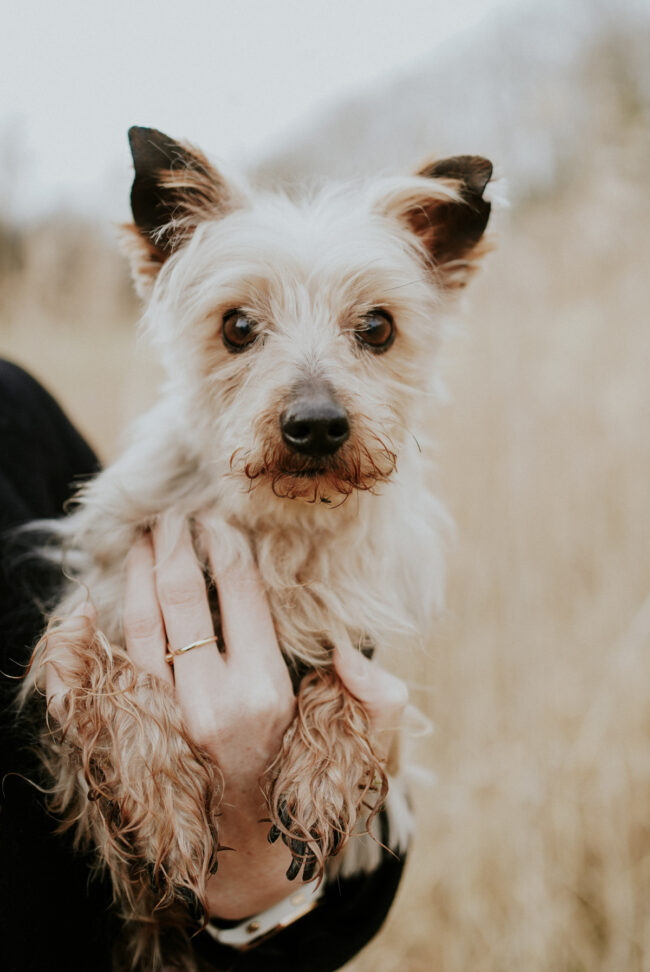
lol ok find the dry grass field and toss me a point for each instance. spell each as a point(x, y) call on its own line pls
point(533, 847)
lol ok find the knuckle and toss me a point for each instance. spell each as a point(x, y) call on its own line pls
point(141, 627)
point(185, 589)
point(266, 704)
point(261, 698)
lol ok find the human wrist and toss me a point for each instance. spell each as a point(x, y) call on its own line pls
point(251, 876)
point(252, 872)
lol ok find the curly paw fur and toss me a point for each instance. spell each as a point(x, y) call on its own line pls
point(325, 776)
point(128, 778)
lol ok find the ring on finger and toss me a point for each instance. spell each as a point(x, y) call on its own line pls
point(171, 655)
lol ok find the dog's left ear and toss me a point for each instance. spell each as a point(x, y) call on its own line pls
point(174, 189)
point(448, 214)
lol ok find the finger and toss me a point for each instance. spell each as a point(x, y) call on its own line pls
point(383, 695)
point(186, 614)
point(246, 620)
point(144, 631)
point(75, 630)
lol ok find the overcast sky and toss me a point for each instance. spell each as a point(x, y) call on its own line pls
point(231, 75)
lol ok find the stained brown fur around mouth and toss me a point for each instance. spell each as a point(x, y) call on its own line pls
point(307, 473)
point(355, 467)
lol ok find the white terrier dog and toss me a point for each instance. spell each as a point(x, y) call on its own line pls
point(299, 338)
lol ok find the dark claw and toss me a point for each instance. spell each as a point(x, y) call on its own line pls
point(193, 904)
point(297, 847)
point(151, 872)
point(283, 814)
point(294, 869)
point(310, 867)
point(300, 849)
point(367, 647)
point(214, 863)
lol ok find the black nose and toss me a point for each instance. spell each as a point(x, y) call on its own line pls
point(314, 424)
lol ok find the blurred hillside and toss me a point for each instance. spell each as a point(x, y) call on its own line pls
point(537, 89)
point(549, 92)
point(546, 91)
point(533, 849)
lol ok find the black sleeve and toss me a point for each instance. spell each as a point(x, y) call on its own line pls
point(350, 914)
point(41, 456)
point(53, 913)
point(52, 916)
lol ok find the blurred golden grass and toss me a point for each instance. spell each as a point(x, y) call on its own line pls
point(533, 848)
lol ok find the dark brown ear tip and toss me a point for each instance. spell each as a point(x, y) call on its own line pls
point(482, 172)
point(151, 149)
point(138, 136)
point(473, 171)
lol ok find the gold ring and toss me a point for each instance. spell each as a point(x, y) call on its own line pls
point(169, 657)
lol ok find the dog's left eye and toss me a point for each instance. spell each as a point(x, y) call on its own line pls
point(376, 331)
point(238, 331)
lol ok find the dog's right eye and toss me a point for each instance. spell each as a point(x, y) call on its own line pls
point(238, 331)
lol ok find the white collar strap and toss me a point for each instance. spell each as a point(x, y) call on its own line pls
point(250, 932)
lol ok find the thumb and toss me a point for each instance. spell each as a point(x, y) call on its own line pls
point(384, 696)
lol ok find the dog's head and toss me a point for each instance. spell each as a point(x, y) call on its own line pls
point(301, 332)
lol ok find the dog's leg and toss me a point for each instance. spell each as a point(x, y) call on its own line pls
point(127, 776)
point(325, 776)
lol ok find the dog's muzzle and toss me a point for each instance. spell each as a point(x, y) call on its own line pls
point(314, 424)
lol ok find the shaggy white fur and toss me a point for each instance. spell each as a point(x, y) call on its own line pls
point(350, 549)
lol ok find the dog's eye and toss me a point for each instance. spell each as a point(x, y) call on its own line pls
point(238, 331)
point(376, 331)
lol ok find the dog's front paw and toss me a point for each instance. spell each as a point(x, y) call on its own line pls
point(309, 849)
point(129, 779)
point(325, 777)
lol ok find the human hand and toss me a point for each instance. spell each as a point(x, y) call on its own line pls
point(236, 705)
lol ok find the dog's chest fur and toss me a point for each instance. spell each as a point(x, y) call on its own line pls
point(369, 569)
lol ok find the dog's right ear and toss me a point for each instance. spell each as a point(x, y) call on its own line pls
point(445, 209)
point(174, 189)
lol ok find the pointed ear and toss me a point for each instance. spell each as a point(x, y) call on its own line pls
point(174, 189)
point(449, 216)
